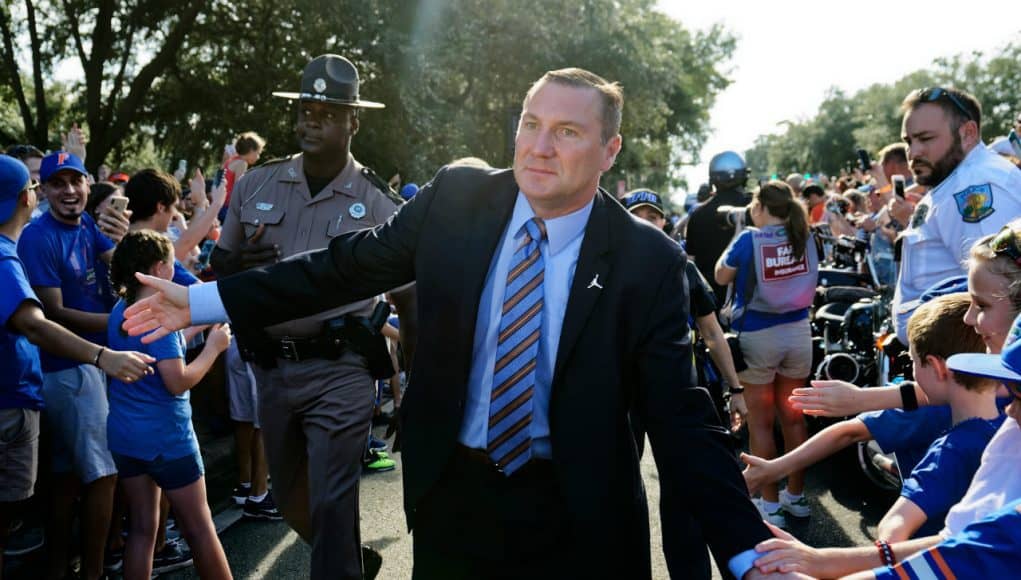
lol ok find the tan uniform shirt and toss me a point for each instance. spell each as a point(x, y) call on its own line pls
point(277, 196)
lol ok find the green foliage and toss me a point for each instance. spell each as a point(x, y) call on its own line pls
point(871, 118)
point(451, 72)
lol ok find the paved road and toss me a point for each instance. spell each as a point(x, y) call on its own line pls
point(845, 512)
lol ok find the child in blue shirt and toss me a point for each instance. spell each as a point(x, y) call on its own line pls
point(972, 417)
point(149, 427)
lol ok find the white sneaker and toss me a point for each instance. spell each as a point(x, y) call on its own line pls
point(775, 517)
point(798, 508)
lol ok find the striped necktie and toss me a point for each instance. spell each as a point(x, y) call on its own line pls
point(517, 348)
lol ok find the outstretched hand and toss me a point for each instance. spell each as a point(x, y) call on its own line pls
point(827, 399)
point(160, 314)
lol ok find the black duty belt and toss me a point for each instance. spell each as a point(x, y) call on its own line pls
point(299, 349)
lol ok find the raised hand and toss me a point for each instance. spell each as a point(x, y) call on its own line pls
point(74, 141)
point(198, 190)
point(219, 337)
point(160, 314)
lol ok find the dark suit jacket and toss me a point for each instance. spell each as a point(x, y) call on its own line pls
point(624, 345)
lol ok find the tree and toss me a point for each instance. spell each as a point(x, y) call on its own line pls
point(122, 47)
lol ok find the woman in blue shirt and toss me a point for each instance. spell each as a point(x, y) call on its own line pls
point(774, 271)
point(149, 427)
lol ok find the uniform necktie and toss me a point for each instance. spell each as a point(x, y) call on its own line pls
point(509, 443)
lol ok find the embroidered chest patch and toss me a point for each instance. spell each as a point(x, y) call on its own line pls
point(975, 203)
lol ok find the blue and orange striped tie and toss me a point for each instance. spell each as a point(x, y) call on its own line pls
point(517, 349)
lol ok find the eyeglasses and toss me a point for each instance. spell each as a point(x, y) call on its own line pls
point(934, 94)
point(1006, 242)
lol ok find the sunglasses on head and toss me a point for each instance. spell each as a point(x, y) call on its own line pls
point(1006, 242)
point(936, 93)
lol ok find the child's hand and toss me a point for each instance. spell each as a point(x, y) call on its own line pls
point(759, 472)
point(827, 399)
point(219, 337)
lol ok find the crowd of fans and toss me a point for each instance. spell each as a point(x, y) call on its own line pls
point(93, 408)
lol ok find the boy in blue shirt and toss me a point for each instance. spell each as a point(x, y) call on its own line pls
point(989, 547)
point(937, 331)
point(22, 328)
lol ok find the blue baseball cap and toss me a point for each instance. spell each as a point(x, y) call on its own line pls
point(14, 178)
point(1005, 366)
point(59, 161)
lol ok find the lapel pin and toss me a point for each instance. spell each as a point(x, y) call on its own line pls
point(357, 211)
point(595, 283)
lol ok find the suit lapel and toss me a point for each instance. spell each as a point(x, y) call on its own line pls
point(592, 271)
point(480, 245)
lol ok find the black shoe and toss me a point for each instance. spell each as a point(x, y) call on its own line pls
point(372, 561)
point(241, 493)
point(262, 510)
point(173, 556)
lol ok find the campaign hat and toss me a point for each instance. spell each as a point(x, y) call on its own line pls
point(330, 78)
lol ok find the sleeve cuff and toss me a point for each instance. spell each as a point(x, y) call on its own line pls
point(740, 564)
point(206, 304)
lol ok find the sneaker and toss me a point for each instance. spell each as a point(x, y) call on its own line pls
point(798, 508)
point(377, 462)
point(113, 560)
point(775, 517)
point(377, 443)
point(241, 493)
point(173, 556)
point(24, 540)
point(262, 510)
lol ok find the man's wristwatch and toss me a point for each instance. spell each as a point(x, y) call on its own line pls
point(738, 390)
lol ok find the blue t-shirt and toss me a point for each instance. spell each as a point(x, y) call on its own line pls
point(907, 433)
point(987, 548)
point(21, 378)
point(146, 421)
point(946, 471)
point(57, 255)
point(740, 255)
point(910, 433)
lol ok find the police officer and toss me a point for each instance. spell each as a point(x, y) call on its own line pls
point(707, 234)
point(973, 192)
point(315, 392)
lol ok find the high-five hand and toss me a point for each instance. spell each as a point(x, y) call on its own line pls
point(159, 314)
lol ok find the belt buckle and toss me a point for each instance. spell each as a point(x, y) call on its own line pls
point(289, 350)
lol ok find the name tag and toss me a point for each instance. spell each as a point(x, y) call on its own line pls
point(263, 206)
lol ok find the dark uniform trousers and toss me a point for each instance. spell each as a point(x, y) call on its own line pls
point(316, 418)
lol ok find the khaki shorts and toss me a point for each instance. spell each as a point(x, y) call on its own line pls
point(19, 453)
point(241, 388)
point(785, 350)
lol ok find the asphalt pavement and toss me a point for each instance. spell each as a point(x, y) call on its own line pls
point(845, 511)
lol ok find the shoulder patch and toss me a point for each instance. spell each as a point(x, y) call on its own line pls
point(975, 203)
point(382, 186)
point(918, 217)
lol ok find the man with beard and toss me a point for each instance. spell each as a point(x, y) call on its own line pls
point(972, 193)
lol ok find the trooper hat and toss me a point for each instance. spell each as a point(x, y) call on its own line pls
point(330, 78)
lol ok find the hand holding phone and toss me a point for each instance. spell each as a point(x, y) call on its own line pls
point(898, 186)
point(864, 163)
point(119, 203)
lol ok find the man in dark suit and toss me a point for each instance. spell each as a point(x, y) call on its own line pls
point(542, 322)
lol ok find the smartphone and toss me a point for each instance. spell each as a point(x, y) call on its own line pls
point(863, 160)
point(898, 186)
point(182, 165)
point(119, 203)
point(218, 178)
